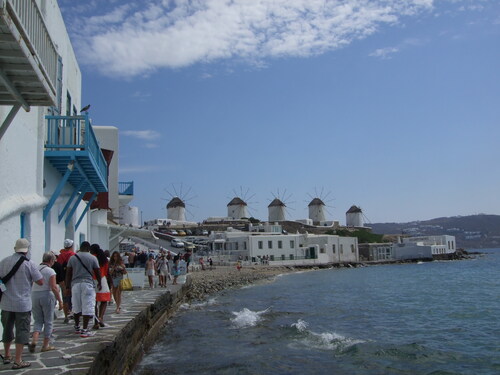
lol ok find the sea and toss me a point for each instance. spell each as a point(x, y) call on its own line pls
point(433, 318)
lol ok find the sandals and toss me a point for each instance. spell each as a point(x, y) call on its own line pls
point(31, 348)
point(21, 364)
point(6, 360)
point(48, 348)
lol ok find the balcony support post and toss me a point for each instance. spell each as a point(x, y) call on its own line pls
point(13, 91)
point(94, 196)
point(75, 192)
point(12, 114)
point(75, 206)
point(58, 190)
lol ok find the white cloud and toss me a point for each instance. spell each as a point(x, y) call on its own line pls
point(136, 38)
point(387, 52)
point(384, 53)
point(147, 135)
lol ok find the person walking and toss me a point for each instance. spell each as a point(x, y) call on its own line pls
point(18, 274)
point(103, 296)
point(64, 255)
point(79, 282)
point(116, 271)
point(150, 270)
point(176, 269)
point(162, 270)
point(44, 299)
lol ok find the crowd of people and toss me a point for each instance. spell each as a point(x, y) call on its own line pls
point(79, 284)
point(163, 264)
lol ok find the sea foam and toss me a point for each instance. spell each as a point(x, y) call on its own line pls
point(324, 340)
point(247, 318)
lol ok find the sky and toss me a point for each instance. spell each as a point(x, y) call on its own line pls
point(390, 105)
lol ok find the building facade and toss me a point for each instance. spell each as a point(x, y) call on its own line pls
point(284, 249)
point(50, 156)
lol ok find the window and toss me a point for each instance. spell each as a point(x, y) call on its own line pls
point(269, 244)
point(291, 256)
point(68, 104)
point(292, 244)
point(261, 245)
point(333, 248)
point(280, 244)
point(236, 246)
point(282, 256)
point(272, 257)
point(341, 249)
point(322, 250)
point(352, 248)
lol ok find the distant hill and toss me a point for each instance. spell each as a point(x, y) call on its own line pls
point(471, 232)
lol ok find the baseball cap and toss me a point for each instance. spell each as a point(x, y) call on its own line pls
point(22, 245)
point(68, 243)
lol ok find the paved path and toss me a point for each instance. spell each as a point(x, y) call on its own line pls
point(75, 354)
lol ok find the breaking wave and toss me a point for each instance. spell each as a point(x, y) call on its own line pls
point(322, 341)
point(247, 318)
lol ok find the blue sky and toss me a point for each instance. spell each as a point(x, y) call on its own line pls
point(391, 105)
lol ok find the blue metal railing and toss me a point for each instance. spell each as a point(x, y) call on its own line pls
point(75, 133)
point(126, 188)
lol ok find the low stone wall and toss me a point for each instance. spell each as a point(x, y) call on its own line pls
point(133, 340)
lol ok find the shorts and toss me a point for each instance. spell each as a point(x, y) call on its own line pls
point(150, 272)
point(20, 320)
point(83, 298)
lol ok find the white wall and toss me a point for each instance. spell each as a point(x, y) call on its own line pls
point(23, 168)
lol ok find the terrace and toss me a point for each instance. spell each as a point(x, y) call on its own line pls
point(72, 148)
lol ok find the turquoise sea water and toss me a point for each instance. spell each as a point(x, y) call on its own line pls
point(431, 318)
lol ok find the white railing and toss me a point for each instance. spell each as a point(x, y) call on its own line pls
point(29, 21)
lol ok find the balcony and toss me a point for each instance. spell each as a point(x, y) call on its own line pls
point(126, 188)
point(72, 148)
point(125, 192)
point(71, 143)
point(28, 57)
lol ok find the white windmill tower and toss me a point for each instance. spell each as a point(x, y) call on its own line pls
point(354, 217)
point(176, 206)
point(237, 208)
point(317, 211)
point(176, 209)
point(276, 210)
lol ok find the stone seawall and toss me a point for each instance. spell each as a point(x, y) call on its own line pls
point(138, 335)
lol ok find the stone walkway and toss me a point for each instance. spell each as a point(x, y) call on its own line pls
point(74, 354)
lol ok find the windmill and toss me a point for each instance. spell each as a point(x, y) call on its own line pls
point(176, 206)
point(277, 209)
point(317, 206)
point(237, 208)
point(355, 217)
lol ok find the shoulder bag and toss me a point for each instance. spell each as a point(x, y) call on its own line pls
point(14, 269)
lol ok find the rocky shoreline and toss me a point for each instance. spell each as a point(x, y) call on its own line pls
point(212, 281)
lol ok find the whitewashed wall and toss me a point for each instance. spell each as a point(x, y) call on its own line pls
point(23, 168)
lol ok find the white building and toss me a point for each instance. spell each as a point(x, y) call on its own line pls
point(48, 165)
point(285, 249)
point(443, 244)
